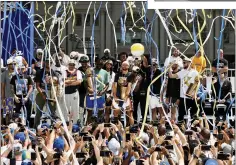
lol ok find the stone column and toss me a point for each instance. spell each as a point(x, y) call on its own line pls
point(210, 43)
point(102, 33)
point(108, 39)
point(156, 37)
point(162, 43)
point(69, 30)
point(217, 31)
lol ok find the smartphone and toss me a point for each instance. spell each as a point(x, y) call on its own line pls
point(194, 129)
point(87, 138)
point(115, 121)
point(103, 135)
point(80, 155)
point(33, 146)
point(220, 136)
point(83, 133)
point(105, 153)
point(156, 123)
point(67, 123)
point(168, 127)
point(215, 135)
point(134, 130)
point(57, 155)
point(136, 149)
point(22, 129)
point(127, 137)
point(12, 161)
point(139, 162)
point(158, 149)
point(223, 156)
point(19, 124)
point(107, 125)
point(33, 156)
point(206, 147)
point(219, 128)
point(44, 121)
point(168, 137)
point(216, 144)
point(169, 147)
point(188, 132)
point(3, 127)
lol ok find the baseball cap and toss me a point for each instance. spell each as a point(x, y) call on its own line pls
point(211, 162)
point(154, 61)
point(17, 147)
point(20, 136)
point(73, 54)
point(226, 148)
point(126, 62)
point(114, 146)
point(135, 69)
point(84, 59)
point(39, 51)
point(106, 50)
point(10, 61)
point(75, 128)
point(59, 144)
point(109, 62)
point(164, 163)
point(45, 125)
point(71, 61)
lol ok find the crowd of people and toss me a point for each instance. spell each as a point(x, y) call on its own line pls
point(74, 109)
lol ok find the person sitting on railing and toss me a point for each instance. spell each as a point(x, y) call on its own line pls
point(222, 94)
point(221, 66)
point(199, 61)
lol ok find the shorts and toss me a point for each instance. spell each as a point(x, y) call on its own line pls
point(121, 104)
point(89, 103)
point(155, 102)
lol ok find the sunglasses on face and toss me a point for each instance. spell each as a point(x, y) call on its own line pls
point(71, 64)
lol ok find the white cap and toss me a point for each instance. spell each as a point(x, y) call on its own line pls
point(114, 146)
point(107, 50)
point(71, 61)
point(10, 61)
point(126, 62)
point(39, 51)
point(135, 69)
point(74, 54)
point(19, 53)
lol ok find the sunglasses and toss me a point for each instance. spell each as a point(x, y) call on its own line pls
point(71, 64)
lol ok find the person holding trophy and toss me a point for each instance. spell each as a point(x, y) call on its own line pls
point(97, 85)
point(189, 81)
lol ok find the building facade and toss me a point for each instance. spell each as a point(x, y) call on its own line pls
point(114, 24)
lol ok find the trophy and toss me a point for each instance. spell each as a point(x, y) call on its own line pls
point(192, 89)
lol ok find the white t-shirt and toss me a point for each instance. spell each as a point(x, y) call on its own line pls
point(111, 80)
point(6, 161)
point(186, 78)
point(171, 59)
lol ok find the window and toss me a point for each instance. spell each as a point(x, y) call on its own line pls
point(87, 20)
point(97, 21)
point(229, 33)
point(78, 18)
point(184, 36)
point(130, 38)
